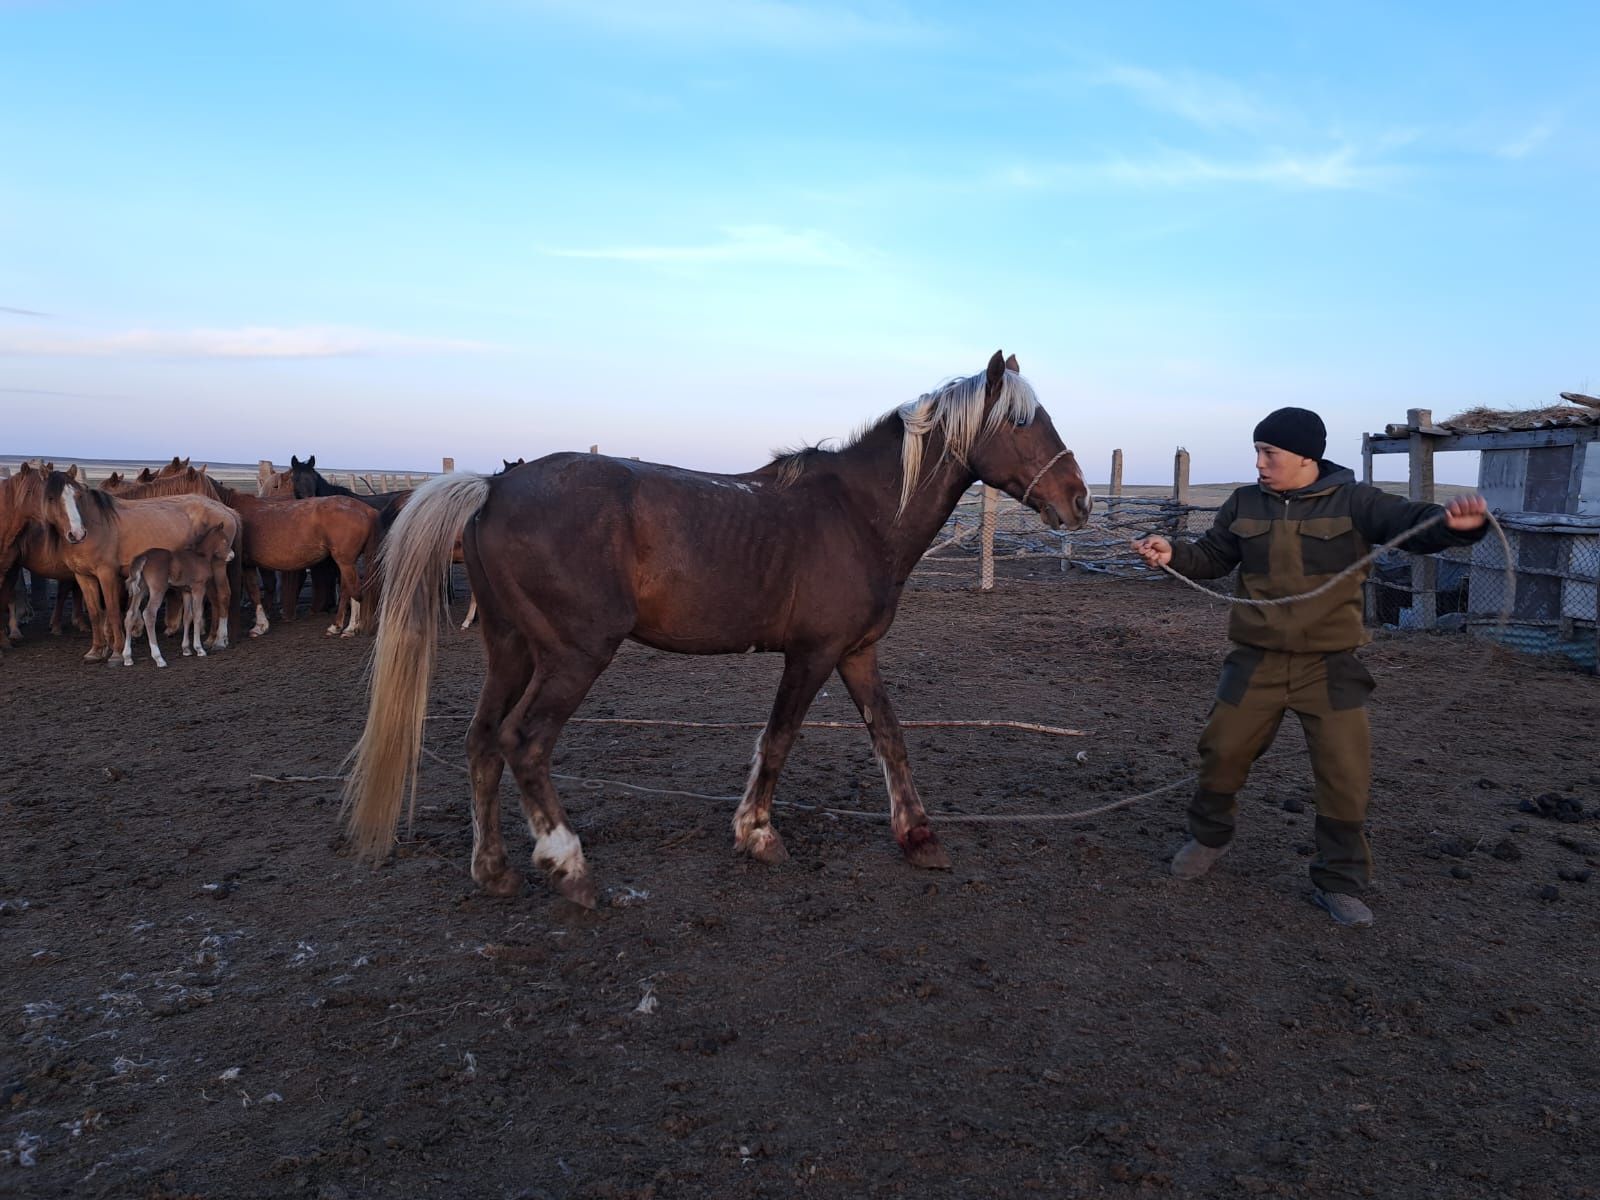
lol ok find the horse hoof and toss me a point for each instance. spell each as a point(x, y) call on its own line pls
point(579, 889)
point(200, 653)
point(764, 845)
point(332, 631)
point(349, 633)
point(922, 849)
point(502, 886)
point(161, 662)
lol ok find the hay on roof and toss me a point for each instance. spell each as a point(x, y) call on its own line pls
point(1482, 417)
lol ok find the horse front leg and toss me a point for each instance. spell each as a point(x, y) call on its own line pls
point(349, 595)
point(111, 598)
point(753, 833)
point(907, 817)
point(252, 586)
point(94, 610)
point(194, 619)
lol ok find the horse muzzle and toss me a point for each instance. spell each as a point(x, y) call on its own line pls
point(74, 538)
point(1076, 518)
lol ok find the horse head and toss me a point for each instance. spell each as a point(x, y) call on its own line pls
point(304, 477)
point(59, 505)
point(1020, 452)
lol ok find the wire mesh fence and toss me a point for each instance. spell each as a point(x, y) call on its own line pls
point(1101, 546)
point(1547, 606)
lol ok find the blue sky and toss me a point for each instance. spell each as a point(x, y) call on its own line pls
point(696, 231)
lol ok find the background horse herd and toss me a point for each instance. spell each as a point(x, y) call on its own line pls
point(176, 536)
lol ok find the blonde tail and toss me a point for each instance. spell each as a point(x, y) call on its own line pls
point(412, 562)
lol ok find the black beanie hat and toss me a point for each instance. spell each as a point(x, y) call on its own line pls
point(1297, 430)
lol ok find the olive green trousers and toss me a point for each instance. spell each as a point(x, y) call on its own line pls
point(1328, 692)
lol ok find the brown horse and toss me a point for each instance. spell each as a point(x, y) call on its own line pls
point(104, 534)
point(574, 553)
point(189, 572)
point(288, 535)
point(458, 556)
point(19, 501)
point(41, 554)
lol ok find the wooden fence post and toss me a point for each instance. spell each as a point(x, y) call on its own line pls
point(449, 465)
point(986, 554)
point(1180, 489)
point(594, 449)
point(263, 473)
point(1366, 458)
point(1424, 570)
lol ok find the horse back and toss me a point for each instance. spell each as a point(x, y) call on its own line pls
point(691, 561)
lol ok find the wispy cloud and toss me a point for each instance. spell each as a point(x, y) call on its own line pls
point(1333, 170)
point(769, 244)
point(253, 342)
point(22, 312)
point(767, 23)
point(1203, 100)
point(1527, 142)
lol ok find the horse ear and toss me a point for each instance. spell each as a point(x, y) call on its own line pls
point(996, 373)
point(312, 461)
point(293, 462)
point(1011, 363)
point(72, 472)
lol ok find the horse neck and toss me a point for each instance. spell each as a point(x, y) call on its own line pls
point(328, 488)
point(871, 470)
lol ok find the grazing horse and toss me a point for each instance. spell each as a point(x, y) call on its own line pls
point(189, 572)
point(573, 553)
point(103, 534)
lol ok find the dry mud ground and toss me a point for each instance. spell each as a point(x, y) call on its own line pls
point(202, 997)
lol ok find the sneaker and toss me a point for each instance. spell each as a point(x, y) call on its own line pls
point(1345, 909)
point(1193, 860)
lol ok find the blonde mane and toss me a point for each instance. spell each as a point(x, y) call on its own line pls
point(955, 407)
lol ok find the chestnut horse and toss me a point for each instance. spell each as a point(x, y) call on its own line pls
point(573, 553)
point(104, 534)
point(149, 578)
point(289, 535)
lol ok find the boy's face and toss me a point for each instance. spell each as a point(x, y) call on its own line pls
point(1280, 471)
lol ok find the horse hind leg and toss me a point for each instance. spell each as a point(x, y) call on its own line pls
point(561, 678)
point(753, 833)
point(507, 678)
point(136, 596)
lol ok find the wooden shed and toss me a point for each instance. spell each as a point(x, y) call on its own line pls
point(1540, 472)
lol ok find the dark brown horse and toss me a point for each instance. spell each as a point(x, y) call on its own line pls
point(306, 482)
point(571, 554)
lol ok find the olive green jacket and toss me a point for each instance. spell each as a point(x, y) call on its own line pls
point(1288, 543)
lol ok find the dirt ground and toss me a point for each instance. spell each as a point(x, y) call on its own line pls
point(202, 996)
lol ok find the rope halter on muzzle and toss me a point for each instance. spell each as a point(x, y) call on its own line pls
point(1028, 491)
